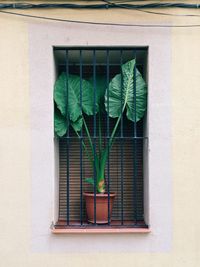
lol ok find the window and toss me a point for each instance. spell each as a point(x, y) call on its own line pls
point(157, 169)
point(102, 136)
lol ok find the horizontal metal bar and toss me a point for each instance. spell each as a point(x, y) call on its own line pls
point(105, 137)
point(90, 65)
point(141, 48)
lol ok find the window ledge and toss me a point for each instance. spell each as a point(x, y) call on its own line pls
point(101, 231)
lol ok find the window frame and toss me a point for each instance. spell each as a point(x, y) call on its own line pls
point(158, 192)
point(120, 55)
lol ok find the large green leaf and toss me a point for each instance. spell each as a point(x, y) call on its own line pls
point(77, 125)
point(69, 85)
point(100, 90)
point(121, 94)
point(60, 123)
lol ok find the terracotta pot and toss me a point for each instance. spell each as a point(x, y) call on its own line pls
point(101, 207)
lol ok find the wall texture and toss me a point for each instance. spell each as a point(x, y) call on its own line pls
point(15, 147)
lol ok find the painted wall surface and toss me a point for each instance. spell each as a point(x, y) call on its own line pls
point(15, 147)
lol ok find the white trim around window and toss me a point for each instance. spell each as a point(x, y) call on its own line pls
point(44, 160)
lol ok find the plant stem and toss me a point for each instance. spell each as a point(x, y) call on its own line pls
point(95, 160)
point(89, 137)
point(86, 150)
point(115, 128)
point(110, 143)
point(100, 137)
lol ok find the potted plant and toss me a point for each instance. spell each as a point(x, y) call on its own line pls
point(71, 105)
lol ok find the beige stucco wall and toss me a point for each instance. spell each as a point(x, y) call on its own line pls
point(15, 180)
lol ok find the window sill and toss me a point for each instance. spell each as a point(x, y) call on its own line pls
point(85, 228)
point(102, 231)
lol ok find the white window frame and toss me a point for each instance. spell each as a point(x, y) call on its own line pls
point(44, 162)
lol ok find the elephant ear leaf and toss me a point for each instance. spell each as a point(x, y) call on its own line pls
point(77, 125)
point(100, 90)
point(121, 94)
point(68, 86)
point(60, 123)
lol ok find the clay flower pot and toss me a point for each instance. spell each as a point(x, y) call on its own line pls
point(101, 207)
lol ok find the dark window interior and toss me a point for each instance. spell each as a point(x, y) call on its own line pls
point(126, 158)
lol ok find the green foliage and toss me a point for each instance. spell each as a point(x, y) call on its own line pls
point(60, 122)
point(89, 180)
point(121, 94)
point(78, 124)
point(71, 84)
point(71, 109)
point(120, 97)
point(100, 91)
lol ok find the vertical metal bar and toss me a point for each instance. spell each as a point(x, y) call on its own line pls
point(81, 143)
point(94, 129)
point(121, 144)
point(67, 95)
point(135, 141)
point(108, 130)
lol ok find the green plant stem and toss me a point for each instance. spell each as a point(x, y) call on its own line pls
point(100, 137)
point(115, 128)
point(86, 150)
point(110, 143)
point(89, 137)
point(95, 160)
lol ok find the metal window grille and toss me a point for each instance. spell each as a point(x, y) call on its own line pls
point(124, 173)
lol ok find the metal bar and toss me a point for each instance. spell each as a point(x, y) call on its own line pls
point(116, 137)
point(144, 48)
point(68, 134)
point(121, 144)
point(108, 129)
point(81, 145)
point(135, 142)
point(94, 130)
point(99, 64)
